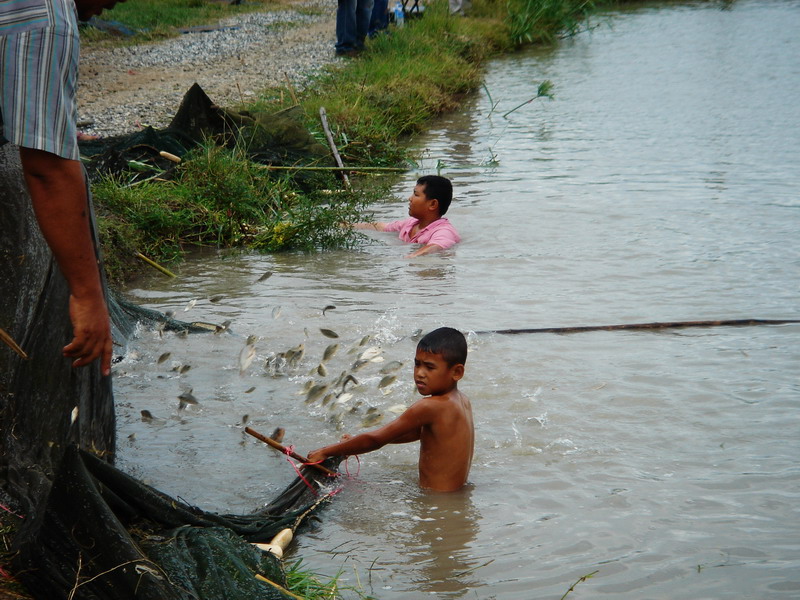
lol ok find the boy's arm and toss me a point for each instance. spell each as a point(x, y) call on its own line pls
point(427, 249)
point(405, 428)
point(376, 225)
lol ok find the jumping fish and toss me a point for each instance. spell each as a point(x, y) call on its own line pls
point(323, 372)
point(370, 353)
point(329, 352)
point(265, 276)
point(216, 298)
point(246, 356)
point(295, 355)
point(223, 327)
point(391, 367)
point(329, 333)
point(343, 398)
point(276, 312)
point(164, 357)
point(372, 419)
point(184, 369)
point(347, 380)
point(249, 390)
point(278, 434)
point(316, 392)
point(147, 415)
point(186, 398)
point(329, 307)
point(387, 381)
point(189, 306)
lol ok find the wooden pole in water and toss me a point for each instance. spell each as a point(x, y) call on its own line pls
point(286, 451)
point(666, 325)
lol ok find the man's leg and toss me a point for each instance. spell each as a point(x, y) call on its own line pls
point(346, 26)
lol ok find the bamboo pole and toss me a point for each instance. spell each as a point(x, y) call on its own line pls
point(285, 450)
point(324, 118)
point(280, 588)
point(155, 265)
point(665, 325)
point(342, 168)
point(9, 341)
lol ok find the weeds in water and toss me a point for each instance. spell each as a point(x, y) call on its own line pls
point(544, 91)
point(311, 586)
point(580, 580)
point(533, 21)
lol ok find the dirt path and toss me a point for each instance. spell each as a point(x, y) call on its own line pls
point(116, 96)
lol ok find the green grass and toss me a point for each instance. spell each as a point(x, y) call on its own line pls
point(219, 198)
point(156, 19)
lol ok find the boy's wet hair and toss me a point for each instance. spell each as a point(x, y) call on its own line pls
point(448, 342)
point(438, 187)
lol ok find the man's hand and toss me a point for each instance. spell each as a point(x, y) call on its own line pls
point(89, 8)
point(91, 331)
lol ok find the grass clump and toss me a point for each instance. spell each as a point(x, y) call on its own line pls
point(219, 198)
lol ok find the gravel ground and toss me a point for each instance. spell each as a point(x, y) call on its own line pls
point(124, 89)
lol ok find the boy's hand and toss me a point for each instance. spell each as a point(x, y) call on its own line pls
point(317, 456)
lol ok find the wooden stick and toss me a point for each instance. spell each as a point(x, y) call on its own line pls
point(324, 118)
point(282, 589)
point(667, 325)
point(9, 341)
point(155, 265)
point(365, 169)
point(285, 450)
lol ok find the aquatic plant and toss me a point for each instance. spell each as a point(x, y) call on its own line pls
point(543, 20)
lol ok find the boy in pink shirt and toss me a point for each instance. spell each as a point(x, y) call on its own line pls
point(426, 224)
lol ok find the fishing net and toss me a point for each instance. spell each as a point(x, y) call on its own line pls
point(276, 138)
point(102, 534)
point(85, 529)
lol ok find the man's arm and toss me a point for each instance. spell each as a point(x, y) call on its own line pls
point(58, 194)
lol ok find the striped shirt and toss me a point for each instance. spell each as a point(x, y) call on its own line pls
point(39, 75)
point(17, 16)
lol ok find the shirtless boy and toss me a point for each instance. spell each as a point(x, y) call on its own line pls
point(441, 421)
point(426, 223)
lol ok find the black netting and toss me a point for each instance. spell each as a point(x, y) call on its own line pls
point(271, 138)
point(88, 531)
point(102, 534)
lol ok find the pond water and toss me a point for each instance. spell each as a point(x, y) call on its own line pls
point(660, 184)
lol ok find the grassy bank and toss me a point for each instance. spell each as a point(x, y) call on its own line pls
point(407, 77)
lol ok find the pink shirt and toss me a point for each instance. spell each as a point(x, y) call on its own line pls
point(440, 232)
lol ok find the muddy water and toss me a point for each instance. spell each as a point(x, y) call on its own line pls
point(659, 185)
